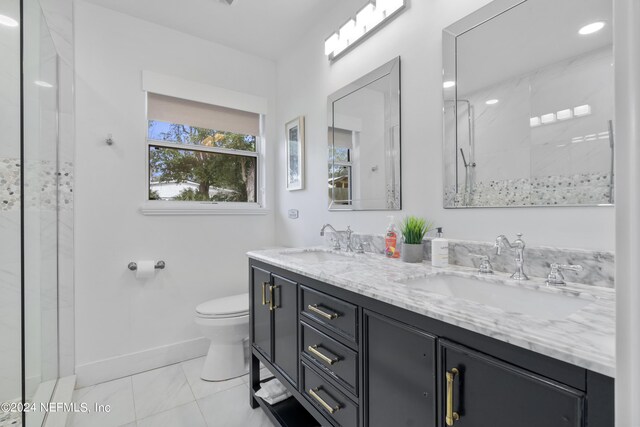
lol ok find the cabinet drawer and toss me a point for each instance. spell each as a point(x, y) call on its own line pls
point(335, 314)
point(332, 403)
point(337, 360)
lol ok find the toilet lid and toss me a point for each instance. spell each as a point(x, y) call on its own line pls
point(236, 305)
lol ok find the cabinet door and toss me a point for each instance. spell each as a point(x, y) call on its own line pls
point(260, 314)
point(400, 374)
point(285, 326)
point(489, 392)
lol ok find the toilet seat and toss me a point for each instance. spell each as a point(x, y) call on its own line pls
point(224, 308)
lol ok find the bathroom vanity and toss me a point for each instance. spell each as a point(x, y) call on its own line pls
point(361, 340)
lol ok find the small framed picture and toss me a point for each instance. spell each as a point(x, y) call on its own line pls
point(294, 131)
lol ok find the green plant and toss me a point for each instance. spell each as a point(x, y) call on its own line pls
point(413, 229)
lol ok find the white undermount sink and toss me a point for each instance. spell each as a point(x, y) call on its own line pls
point(539, 303)
point(315, 257)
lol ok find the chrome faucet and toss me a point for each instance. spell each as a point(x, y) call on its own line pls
point(336, 245)
point(555, 276)
point(518, 246)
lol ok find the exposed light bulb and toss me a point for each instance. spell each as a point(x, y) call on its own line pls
point(331, 43)
point(389, 6)
point(348, 30)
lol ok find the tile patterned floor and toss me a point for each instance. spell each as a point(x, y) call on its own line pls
point(172, 396)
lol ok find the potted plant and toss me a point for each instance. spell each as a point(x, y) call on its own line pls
point(413, 230)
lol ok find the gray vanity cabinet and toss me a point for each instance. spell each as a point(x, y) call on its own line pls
point(353, 361)
point(480, 391)
point(274, 320)
point(400, 374)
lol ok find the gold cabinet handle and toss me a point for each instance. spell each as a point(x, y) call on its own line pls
point(264, 293)
point(313, 349)
point(451, 417)
point(272, 305)
point(328, 316)
point(330, 409)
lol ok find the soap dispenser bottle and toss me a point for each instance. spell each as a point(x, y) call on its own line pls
point(439, 250)
point(391, 240)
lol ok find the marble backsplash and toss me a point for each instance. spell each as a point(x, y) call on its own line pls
point(598, 266)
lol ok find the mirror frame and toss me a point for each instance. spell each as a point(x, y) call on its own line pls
point(392, 69)
point(450, 67)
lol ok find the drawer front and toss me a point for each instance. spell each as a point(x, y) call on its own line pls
point(335, 314)
point(337, 360)
point(332, 403)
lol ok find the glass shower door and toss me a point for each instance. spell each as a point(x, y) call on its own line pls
point(40, 220)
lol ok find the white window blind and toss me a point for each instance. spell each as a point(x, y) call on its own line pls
point(341, 138)
point(197, 114)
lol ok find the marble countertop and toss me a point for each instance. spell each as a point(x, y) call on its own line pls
point(585, 338)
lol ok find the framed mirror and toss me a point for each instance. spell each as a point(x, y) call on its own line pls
point(364, 142)
point(528, 105)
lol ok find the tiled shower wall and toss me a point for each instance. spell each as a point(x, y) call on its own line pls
point(10, 365)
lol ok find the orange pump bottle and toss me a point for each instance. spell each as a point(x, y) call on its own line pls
point(391, 249)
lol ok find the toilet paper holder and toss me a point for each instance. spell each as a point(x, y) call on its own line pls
point(160, 265)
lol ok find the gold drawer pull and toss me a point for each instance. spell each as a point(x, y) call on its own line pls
point(272, 305)
point(330, 409)
point(313, 349)
point(451, 417)
point(264, 293)
point(328, 316)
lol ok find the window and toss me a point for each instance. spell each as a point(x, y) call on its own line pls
point(340, 167)
point(201, 152)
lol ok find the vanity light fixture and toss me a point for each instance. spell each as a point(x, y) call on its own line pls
point(7, 21)
point(548, 118)
point(42, 83)
point(582, 110)
point(534, 121)
point(564, 114)
point(492, 102)
point(371, 17)
point(594, 27)
point(448, 84)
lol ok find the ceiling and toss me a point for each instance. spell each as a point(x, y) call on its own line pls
point(266, 28)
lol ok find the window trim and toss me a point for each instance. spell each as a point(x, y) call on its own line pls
point(169, 207)
point(189, 147)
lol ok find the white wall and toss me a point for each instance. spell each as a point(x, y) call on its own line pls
point(305, 78)
point(123, 324)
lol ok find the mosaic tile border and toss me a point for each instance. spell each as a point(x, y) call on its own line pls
point(578, 189)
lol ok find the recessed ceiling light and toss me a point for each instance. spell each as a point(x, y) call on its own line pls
point(594, 27)
point(42, 84)
point(492, 102)
point(448, 84)
point(9, 22)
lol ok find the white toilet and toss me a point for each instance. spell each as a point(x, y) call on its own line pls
point(225, 321)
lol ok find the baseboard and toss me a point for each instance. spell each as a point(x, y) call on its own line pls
point(134, 363)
